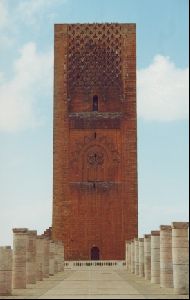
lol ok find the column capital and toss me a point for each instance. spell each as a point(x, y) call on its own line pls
point(166, 227)
point(32, 232)
point(20, 230)
point(155, 233)
point(39, 237)
point(180, 225)
point(5, 247)
point(146, 236)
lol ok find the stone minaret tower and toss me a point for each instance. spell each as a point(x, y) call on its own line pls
point(95, 205)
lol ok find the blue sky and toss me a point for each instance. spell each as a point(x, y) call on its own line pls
point(26, 102)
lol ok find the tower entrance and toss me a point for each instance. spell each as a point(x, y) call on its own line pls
point(95, 253)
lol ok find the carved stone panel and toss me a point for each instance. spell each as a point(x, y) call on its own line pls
point(94, 160)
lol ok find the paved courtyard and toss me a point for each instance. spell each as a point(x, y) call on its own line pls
point(94, 284)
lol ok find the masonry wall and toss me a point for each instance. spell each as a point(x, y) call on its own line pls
point(95, 193)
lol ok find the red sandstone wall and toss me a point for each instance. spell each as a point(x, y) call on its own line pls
point(95, 202)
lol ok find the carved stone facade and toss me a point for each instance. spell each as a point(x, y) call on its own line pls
point(95, 140)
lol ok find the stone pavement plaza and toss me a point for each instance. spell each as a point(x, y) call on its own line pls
point(94, 284)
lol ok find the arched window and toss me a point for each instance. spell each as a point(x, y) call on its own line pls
point(95, 103)
point(95, 253)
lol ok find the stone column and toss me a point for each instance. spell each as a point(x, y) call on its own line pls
point(62, 257)
point(136, 242)
point(59, 249)
point(132, 257)
point(180, 255)
point(128, 256)
point(126, 252)
point(147, 256)
point(166, 266)
point(141, 257)
point(56, 258)
point(31, 257)
point(5, 271)
point(39, 257)
point(20, 238)
point(46, 258)
point(155, 256)
point(51, 258)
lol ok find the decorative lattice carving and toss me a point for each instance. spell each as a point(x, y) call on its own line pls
point(94, 59)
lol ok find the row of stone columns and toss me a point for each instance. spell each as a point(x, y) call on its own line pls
point(162, 257)
point(32, 259)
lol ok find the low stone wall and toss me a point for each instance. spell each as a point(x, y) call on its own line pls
point(94, 265)
point(32, 259)
point(163, 257)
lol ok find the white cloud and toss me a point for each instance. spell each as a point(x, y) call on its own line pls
point(163, 91)
point(30, 7)
point(30, 10)
point(3, 14)
point(18, 96)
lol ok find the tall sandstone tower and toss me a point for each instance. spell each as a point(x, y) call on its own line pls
point(95, 205)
